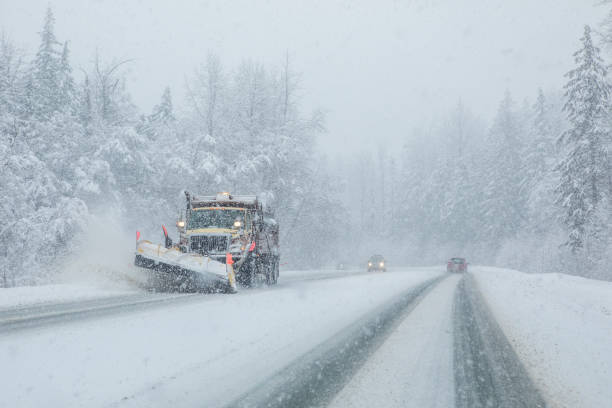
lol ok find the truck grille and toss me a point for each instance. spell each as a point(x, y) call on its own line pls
point(206, 244)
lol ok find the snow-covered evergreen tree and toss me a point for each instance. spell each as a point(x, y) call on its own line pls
point(161, 117)
point(66, 95)
point(45, 75)
point(504, 203)
point(540, 155)
point(70, 148)
point(584, 168)
point(163, 113)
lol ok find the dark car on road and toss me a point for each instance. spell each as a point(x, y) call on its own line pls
point(377, 263)
point(456, 265)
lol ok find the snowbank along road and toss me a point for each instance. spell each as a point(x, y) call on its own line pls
point(414, 337)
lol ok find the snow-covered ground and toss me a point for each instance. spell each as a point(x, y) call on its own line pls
point(203, 353)
point(209, 350)
point(58, 293)
point(561, 327)
point(319, 274)
point(124, 285)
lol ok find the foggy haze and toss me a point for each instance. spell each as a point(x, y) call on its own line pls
point(278, 203)
point(377, 68)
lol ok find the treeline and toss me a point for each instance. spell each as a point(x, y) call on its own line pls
point(532, 191)
point(72, 148)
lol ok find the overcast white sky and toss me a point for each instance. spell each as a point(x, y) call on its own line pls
point(378, 68)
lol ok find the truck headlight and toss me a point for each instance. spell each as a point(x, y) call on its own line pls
point(180, 224)
point(382, 264)
point(237, 224)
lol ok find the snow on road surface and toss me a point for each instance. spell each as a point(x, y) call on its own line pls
point(202, 353)
point(25, 296)
point(208, 350)
point(58, 293)
point(290, 276)
point(561, 328)
point(414, 367)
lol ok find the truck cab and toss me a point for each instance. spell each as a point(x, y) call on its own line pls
point(217, 225)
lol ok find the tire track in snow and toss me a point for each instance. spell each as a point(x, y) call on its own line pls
point(38, 315)
point(315, 378)
point(488, 373)
point(46, 314)
point(414, 366)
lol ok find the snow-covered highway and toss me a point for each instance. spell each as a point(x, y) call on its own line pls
point(401, 372)
point(412, 337)
point(188, 353)
point(27, 317)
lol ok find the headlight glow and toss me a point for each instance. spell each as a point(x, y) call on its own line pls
point(237, 224)
point(180, 224)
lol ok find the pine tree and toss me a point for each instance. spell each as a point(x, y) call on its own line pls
point(539, 156)
point(46, 71)
point(606, 31)
point(163, 113)
point(67, 93)
point(504, 202)
point(541, 146)
point(10, 72)
point(584, 167)
point(85, 103)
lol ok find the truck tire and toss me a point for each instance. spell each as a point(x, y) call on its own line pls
point(273, 272)
point(246, 275)
point(276, 270)
point(269, 274)
point(270, 271)
point(247, 278)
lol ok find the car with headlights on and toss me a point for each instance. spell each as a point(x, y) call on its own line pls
point(377, 263)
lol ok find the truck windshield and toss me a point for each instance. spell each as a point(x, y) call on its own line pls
point(215, 218)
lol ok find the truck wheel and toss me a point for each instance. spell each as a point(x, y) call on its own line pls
point(245, 276)
point(246, 279)
point(270, 273)
point(276, 271)
point(269, 276)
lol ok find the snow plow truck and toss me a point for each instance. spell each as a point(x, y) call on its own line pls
point(223, 239)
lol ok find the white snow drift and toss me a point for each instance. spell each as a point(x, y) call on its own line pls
point(561, 328)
